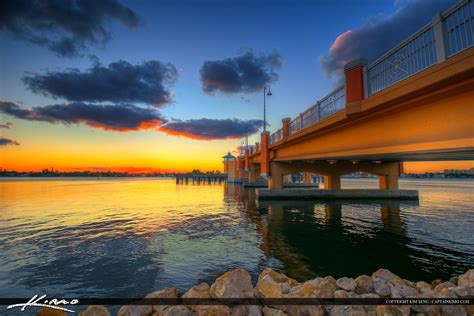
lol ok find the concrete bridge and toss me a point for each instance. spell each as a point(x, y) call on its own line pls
point(415, 103)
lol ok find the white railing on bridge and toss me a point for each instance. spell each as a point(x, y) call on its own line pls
point(459, 27)
point(445, 36)
point(278, 135)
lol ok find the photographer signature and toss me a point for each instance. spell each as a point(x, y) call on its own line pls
point(40, 301)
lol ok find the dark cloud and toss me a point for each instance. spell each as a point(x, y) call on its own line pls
point(121, 118)
point(209, 129)
point(5, 142)
point(379, 34)
point(6, 125)
point(119, 82)
point(66, 27)
point(245, 73)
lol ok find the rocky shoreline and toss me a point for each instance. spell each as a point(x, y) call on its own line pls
point(271, 284)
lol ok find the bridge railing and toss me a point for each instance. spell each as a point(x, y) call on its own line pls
point(459, 27)
point(278, 135)
point(330, 104)
point(433, 43)
point(446, 35)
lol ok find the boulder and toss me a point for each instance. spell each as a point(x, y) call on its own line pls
point(347, 284)
point(341, 294)
point(453, 310)
point(178, 310)
point(326, 288)
point(233, 284)
point(382, 287)
point(429, 310)
point(201, 290)
point(365, 284)
point(454, 280)
point(135, 310)
point(306, 289)
point(466, 279)
point(347, 310)
point(464, 291)
point(268, 288)
point(213, 310)
point(285, 288)
point(401, 290)
point(45, 311)
point(268, 311)
point(444, 285)
point(392, 310)
point(424, 287)
point(387, 275)
point(164, 293)
point(436, 282)
point(304, 310)
point(446, 293)
point(95, 310)
point(277, 277)
point(247, 310)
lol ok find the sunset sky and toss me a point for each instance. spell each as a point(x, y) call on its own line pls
point(174, 85)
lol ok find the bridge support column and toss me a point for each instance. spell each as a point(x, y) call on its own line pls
point(275, 182)
point(307, 177)
point(389, 181)
point(253, 173)
point(332, 182)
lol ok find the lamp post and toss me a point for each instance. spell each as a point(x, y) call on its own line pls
point(265, 93)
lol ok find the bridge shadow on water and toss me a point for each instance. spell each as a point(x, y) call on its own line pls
point(343, 237)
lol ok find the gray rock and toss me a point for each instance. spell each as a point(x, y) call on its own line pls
point(135, 310)
point(233, 284)
point(175, 311)
point(392, 310)
point(247, 310)
point(365, 284)
point(387, 275)
point(305, 310)
point(454, 280)
point(445, 285)
point(404, 291)
point(463, 291)
point(285, 288)
point(347, 284)
point(347, 310)
point(268, 311)
point(381, 287)
point(466, 279)
point(453, 310)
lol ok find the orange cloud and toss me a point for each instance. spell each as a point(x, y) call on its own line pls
point(338, 41)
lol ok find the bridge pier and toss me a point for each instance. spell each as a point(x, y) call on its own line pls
point(388, 172)
point(306, 177)
point(332, 182)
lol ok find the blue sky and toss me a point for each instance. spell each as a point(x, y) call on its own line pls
point(188, 33)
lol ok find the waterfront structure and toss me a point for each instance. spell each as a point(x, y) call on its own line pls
point(415, 103)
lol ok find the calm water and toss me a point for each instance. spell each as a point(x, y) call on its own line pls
point(127, 237)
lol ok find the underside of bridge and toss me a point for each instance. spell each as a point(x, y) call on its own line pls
point(426, 117)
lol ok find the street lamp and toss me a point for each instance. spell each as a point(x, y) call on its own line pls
point(265, 93)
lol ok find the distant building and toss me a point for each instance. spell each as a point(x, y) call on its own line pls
point(457, 172)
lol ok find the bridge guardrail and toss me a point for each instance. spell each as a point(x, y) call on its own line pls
point(433, 43)
point(446, 35)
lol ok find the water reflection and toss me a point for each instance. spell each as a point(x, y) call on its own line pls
point(128, 237)
point(344, 238)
